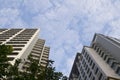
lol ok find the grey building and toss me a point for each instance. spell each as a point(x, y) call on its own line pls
point(100, 60)
point(75, 68)
point(25, 42)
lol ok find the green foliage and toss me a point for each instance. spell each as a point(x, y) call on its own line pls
point(51, 73)
point(4, 65)
point(64, 78)
point(4, 51)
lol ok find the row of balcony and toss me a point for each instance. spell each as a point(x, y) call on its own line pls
point(114, 64)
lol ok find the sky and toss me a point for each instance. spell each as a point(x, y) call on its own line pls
point(66, 25)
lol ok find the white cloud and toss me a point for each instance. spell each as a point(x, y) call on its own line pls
point(8, 16)
point(115, 28)
point(93, 14)
point(37, 6)
point(10, 3)
point(68, 65)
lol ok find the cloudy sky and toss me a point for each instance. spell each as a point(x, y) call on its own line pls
point(66, 25)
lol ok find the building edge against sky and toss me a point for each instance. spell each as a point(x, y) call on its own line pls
point(99, 61)
point(25, 42)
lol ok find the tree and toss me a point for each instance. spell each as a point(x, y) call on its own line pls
point(13, 73)
point(4, 64)
point(4, 51)
point(64, 78)
point(49, 72)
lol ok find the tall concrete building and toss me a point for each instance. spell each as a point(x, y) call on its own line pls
point(100, 61)
point(25, 42)
point(75, 69)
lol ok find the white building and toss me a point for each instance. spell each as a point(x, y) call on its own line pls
point(25, 42)
point(100, 61)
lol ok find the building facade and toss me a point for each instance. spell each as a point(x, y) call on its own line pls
point(99, 61)
point(25, 42)
point(75, 69)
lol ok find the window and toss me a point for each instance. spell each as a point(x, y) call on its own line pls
point(18, 45)
point(97, 49)
point(93, 65)
point(83, 51)
point(85, 54)
point(90, 74)
point(85, 77)
point(109, 61)
point(114, 64)
point(83, 62)
point(86, 67)
point(100, 77)
point(96, 70)
point(88, 70)
point(83, 74)
point(90, 62)
point(10, 58)
point(102, 54)
point(89, 59)
point(16, 42)
point(118, 71)
point(105, 57)
point(79, 78)
point(93, 78)
point(17, 49)
point(80, 68)
point(14, 53)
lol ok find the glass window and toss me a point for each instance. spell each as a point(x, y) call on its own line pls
point(90, 74)
point(100, 51)
point(105, 57)
point(83, 51)
point(88, 70)
point(89, 59)
point(96, 70)
point(93, 78)
point(86, 67)
point(87, 56)
point(114, 64)
point(97, 49)
point(102, 54)
point(100, 77)
point(118, 71)
point(109, 61)
point(85, 77)
point(91, 62)
point(93, 65)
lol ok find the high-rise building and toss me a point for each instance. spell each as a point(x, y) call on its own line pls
point(100, 61)
point(75, 69)
point(25, 42)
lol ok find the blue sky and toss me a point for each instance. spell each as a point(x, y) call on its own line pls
point(66, 25)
